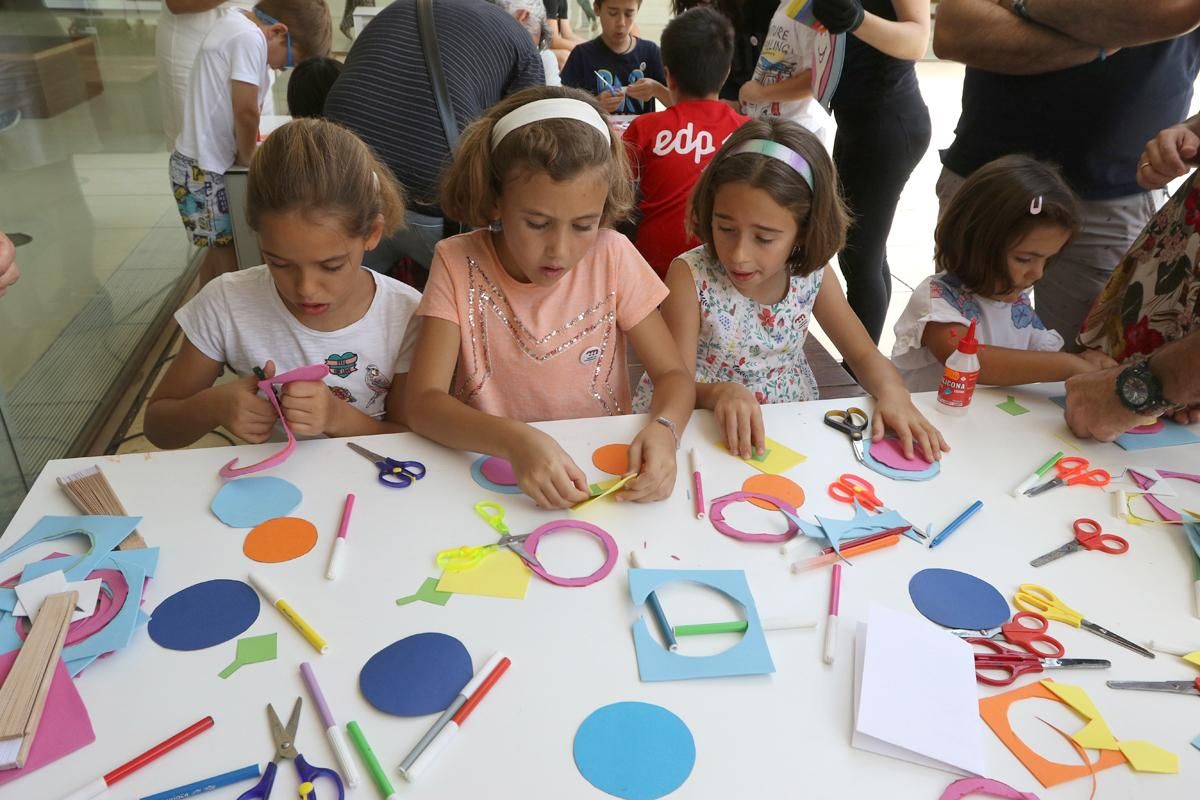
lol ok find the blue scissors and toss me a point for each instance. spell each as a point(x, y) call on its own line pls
point(285, 748)
point(392, 473)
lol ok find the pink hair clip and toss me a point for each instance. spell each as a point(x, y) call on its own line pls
point(1035, 207)
point(313, 372)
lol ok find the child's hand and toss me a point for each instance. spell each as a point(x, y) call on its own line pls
point(1097, 360)
point(652, 456)
point(740, 418)
point(242, 412)
point(610, 101)
point(643, 89)
point(751, 92)
point(310, 408)
point(545, 472)
point(895, 411)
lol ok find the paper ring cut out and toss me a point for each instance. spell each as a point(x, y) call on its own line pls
point(956, 599)
point(204, 615)
point(481, 479)
point(610, 551)
point(252, 501)
point(636, 751)
point(965, 787)
point(499, 471)
point(612, 458)
point(716, 515)
point(418, 675)
point(775, 486)
point(313, 372)
point(279, 540)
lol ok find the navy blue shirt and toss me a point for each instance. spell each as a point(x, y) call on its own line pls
point(643, 61)
point(1092, 120)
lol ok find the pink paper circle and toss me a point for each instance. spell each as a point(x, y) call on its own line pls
point(499, 471)
point(1153, 427)
point(610, 551)
point(717, 517)
point(889, 453)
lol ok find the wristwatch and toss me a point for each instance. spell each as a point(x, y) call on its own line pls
point(1139, 390)
point(1018, 8)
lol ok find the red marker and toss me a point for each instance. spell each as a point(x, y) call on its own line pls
point(101, 785)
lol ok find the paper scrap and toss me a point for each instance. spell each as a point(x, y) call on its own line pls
point(420, 674)
point(247, 502)
point(1012, 407)
point(964, 787)
point(1196, 743)
point(501, 574)
point(1095, 735)
point(1147, 757)
point(1083, 756)
point(252, 650)
point(606, 488)
point(65, 725)
point(1193, 658)
point(777, 458)
point(634, 750)
point(428, 593)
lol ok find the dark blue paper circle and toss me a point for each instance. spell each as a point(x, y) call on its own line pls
point(635, 751)
point(204, 615)
point(418, 675)
point(957, 600)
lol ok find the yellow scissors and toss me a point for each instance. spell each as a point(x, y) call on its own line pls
point(1040, 600)
point(462, 558)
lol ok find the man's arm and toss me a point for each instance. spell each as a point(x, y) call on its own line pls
point(981, 34)
point(1177, 366)
point(1114, 23)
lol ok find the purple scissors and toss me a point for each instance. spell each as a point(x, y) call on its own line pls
point(285, 748)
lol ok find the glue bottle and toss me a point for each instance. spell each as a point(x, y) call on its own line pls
point(958, 379)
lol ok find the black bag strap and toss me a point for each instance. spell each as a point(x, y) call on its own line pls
point(433, 63)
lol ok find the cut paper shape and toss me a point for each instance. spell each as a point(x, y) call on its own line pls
point(279, 540)
point(926, 471)
point(915, 696)
point(606, 488)
point(840, 531)
point(248, 502)
point(420, 674)
point(1012, 407)
point(777, 458)
point(636, 751)
point(1097, 736)
point(252, 650)
point(499, 471)
point(716, 516)
point(750, 656)
point(965, 787)
point(1193, 658)
point(955, 599)
point(599, 574)
point(1196, 743)
point(105, 533)
point(1171, 435)
point(612, 458)
point(502, 574)
point(995, 713)
point(204, 615)
point(428, 593)
point(785, 489)
point(1083, 756)
point(31, 594)
point(1146, 757)
point(889, 452)
point(312, 372)
point(65, 725)
point(479, 478)
point(1142, 430)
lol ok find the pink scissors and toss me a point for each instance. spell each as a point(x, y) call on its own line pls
point(1073, 470)
point(1010, 664)
point(1032, 639)
point(313, 372)
point(1089, 536)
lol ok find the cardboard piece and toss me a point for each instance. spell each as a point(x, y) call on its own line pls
point(204, 615)
point(420, 674)
point(956, 599)
point(428, 593)
point(634, 750)
point(247, 502)
point(279, 540)
point(66, 726)
point(501, 574)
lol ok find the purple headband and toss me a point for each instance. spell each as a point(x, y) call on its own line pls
point(779, 152)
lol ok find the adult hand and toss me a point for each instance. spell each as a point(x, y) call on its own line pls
point(545, 472)
point(895, 411)
point(839, 16)
point(1187, 416)
point(1167, 156)
point(611, 101)
point(310, 408)
point(740, 418)
point(243, 413)
point(652, 457)
point(9, 274)
point(1097, 360)
point(645, 89)
point(1094, 410)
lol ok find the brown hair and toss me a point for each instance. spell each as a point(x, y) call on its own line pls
point(560, 148)
point(992, 211)
point(317, 167)
point(819, 212)
point(307, 21)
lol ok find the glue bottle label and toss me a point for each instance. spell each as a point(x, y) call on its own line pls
point(957, 387)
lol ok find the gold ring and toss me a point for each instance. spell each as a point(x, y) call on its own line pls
point(1143, 165)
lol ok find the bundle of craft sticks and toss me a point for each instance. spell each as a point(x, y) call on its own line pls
point(91, 493)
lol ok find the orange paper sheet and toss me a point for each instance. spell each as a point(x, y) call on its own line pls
point(612, 458)
point(281, 539)
point(785, 489)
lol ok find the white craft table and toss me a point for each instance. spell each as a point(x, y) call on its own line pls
point(783, 735)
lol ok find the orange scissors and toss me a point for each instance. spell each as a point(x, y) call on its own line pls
point(1073, 470)
point(849, 488)
point(1088, 535)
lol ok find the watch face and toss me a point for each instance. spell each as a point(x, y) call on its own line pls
point(1136, 392)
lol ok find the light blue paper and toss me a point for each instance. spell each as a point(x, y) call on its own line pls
point(249, 502)
point(1171, 435)
point(481, 479)
point(838, 532)
point(105, 534)
point(635, 751)
point(750, 656)
point(1196, 743)
point(898, 474)
point(1192, 529)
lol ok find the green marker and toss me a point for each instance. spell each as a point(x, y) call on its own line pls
point(368, 756)
point(1028, 483)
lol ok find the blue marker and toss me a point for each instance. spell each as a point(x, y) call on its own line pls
point(207, 785)
point(953, 526)
point(656, 608)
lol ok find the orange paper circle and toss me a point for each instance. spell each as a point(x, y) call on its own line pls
point(785, 489)
point(280, 539)
point(612, 458)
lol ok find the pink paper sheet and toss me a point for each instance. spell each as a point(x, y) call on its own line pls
point(65, 728)
point(889, 453)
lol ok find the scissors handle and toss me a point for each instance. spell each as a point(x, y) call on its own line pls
point(1032, 639)
point(852, 421)
point(1040, 600)
point(493, 515)
point(1094, 477)
point(849, 487)
point(1089, 534)
point(462, 558)
point(1071, 465)
point(310, 774)
point(262, 789)
point(1009, 663)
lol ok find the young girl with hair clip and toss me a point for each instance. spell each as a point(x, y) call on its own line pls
point(318, 199)
point(991, 246)
point(768, 213)
point(527, 319)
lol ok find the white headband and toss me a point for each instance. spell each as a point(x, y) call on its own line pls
point(551, 108)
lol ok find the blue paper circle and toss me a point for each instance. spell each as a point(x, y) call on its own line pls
point(957, 600)
point(249, 502)
point(477, 474)
point(636, 751)
point(204, 615)
point(420, 674)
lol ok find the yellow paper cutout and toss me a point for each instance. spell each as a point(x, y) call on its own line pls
point(778, 459)
point(1076, 698)
point(607, 488)
point(1193, 658)
point(502, 574)
point(1096, 736)
point(1147, 757)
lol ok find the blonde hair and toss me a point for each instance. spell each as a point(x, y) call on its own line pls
point(560, 148)
point(307, 21)
point(313, 166)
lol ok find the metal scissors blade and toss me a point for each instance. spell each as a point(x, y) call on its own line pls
point(514, 543)
point(1174, 687)
point(1056, 553)
point(365, 453)
point(285, 738)
point(1076, 663)
point(1114, 638)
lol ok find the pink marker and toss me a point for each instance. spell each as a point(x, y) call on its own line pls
point(835, 594)
point(697, 486)
point(339, 544)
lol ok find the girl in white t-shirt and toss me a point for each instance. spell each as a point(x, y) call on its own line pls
point(991, 246)
point(318, 199)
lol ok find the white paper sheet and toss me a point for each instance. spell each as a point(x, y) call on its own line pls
point(32, 593)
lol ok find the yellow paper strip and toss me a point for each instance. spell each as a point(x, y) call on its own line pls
point(1147, 757)
point(610, 487)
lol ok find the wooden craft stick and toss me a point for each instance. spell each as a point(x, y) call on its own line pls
point(91, 493)
point(23, 696)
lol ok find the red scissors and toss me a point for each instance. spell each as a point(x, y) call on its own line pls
point(1089, 536)
point(1003, 665)
point(1032, 639)
point(849, 488)
point(1073, 470)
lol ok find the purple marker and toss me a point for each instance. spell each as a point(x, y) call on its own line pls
point(337, 739)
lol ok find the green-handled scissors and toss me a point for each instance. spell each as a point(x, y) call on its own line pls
point(461, 558)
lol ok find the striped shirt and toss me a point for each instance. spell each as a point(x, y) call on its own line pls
point(384, 93)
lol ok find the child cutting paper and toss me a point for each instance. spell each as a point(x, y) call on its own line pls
point(768, 213)
point(527, 319)
point(318, 199)
point(991, 246)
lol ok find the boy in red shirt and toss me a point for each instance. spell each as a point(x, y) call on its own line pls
point(669, 149)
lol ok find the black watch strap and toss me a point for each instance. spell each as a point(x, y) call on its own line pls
point(1139, 389)
point(1019, 8)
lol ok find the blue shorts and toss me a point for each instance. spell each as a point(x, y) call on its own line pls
point(203, 204)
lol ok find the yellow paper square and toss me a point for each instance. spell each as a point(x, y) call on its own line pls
point(1146, 757)
point(501, 574)
point(778, 459)
point(1193, 658)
